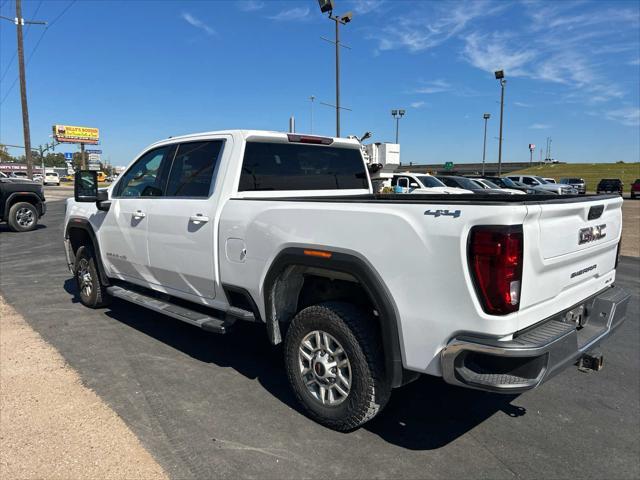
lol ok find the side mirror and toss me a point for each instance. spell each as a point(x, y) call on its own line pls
point(85, 188)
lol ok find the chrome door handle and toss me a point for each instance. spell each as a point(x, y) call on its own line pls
point(197, 218)
point(139, 214)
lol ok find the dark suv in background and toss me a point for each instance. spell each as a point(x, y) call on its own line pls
point(578, 183)
point(610, 185)
point(635, 188)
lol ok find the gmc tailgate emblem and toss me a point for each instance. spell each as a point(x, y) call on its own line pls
point(591, 234)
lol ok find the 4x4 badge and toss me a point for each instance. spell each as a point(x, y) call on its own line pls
point(443, 213)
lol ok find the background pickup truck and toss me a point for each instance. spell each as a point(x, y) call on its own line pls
point(22, 203)
point(367, 291)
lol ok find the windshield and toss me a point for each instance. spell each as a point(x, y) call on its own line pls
point(541, 180)
point(489, 183)
point(506, 182)
point(463, 182)
point(430, 182)
point(2, 175)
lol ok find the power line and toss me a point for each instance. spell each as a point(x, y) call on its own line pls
point(25, 37)
point(33, 51)
point(62, 13)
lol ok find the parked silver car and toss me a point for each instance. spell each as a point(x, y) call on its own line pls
point(577, 183)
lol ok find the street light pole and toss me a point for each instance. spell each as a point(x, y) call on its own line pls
point(337, 21)
point(326, 6)
point(398, 114)
point(486, 117)
point(500, 76)
point(312, 98)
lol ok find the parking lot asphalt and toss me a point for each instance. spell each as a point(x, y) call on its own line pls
point(219, 406)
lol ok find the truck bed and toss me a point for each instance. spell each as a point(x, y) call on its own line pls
point(462, 199)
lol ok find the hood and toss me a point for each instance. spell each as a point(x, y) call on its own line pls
point(18, 180)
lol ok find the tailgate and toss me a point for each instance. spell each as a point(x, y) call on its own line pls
point(570, 249)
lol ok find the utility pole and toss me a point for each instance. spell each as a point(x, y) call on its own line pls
point(23, 91)
point(486, 117)
point(20, 22)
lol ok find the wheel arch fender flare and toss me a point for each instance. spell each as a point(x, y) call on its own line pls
point(84, 225)
point(353, 264)
point(9, 199)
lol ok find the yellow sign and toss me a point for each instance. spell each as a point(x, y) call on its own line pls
point(71, 134)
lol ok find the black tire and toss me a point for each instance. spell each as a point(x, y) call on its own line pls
point(356, 333)
point(23, 217)
point(91, 291)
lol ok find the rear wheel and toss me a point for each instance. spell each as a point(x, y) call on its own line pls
point(91, 291)
point(335, 365)
point(23, 217)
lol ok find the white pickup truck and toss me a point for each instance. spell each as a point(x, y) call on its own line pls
point(367, 291)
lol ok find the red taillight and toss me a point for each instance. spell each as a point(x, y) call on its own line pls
point(495, 262)
point(309, 139)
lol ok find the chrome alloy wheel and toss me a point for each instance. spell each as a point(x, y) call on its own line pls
point(84, 277)
point(325, 368)
point(25, 217)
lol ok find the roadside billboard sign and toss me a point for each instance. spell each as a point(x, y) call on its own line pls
point(94, 157)
point(94, 166)
point(74, 134)
point(68, 155)
point(532, 147)
point(88, 150)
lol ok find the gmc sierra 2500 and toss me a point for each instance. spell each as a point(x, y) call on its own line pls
point(368, 291)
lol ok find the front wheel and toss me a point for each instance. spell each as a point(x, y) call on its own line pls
point(334, 363)
point(92, 292)
point(23, 217)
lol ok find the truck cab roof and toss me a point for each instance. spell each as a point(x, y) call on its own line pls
point(266, 135)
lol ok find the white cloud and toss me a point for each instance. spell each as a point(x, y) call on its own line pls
point(493, 52)
point(425, 30)
point(574, 44)
point(250, 5)
point(433, 86)
point(196, 22)
point(419, 104)
point(522, 104)
point(539, 126)
point(297, 13)
point(629, 116)
point(362, 7)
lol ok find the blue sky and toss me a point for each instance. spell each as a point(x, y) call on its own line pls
point(142, 71)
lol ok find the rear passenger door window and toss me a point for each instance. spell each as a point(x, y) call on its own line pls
point(193, 168)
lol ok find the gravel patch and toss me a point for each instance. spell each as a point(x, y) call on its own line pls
point(51, 426)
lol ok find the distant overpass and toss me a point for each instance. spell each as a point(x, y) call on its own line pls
point(466, 168)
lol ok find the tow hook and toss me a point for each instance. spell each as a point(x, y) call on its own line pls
point(591, 361)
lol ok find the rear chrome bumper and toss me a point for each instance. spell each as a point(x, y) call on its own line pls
point(537, 353)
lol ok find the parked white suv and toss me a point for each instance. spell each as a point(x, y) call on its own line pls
point(51, 178)
point(540, 183)
point(367, 291)
point(407, 182)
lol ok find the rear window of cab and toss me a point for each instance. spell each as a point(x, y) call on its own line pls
point(284, 166)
